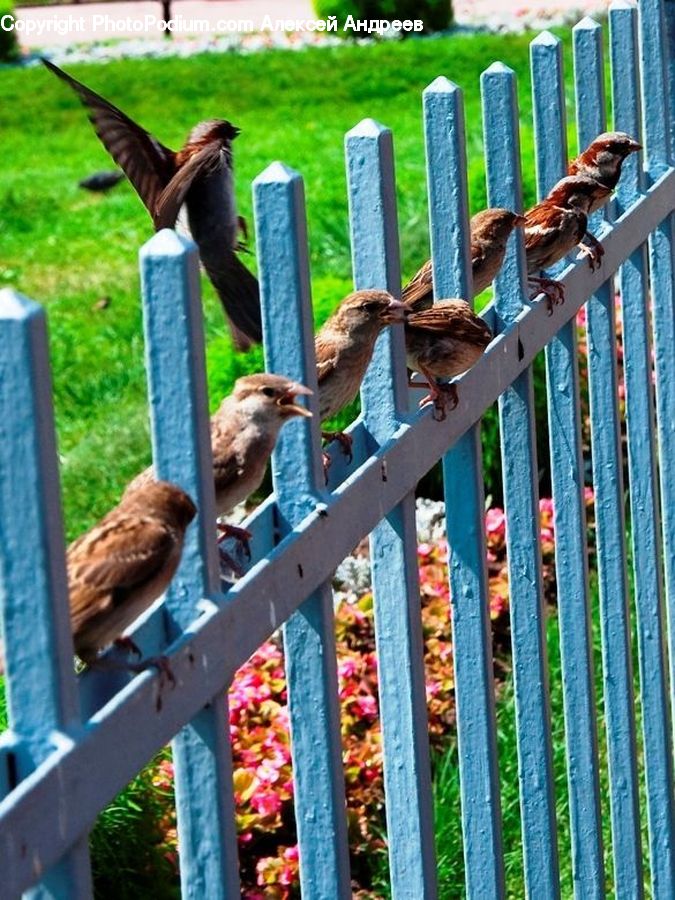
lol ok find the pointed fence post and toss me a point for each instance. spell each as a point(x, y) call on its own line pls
point(309, 635)
point(43, 701)
point(658, 156)
point(465, 513)
point(642, 472)
point(393, 543)
point(608, 497)
point(182, 454)
point(521, 502)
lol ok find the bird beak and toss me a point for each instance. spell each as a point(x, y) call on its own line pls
point(518, 221)
point(287, 402)
point(395, 312)
point(634, 146)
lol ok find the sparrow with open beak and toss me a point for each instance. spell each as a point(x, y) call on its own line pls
point(556, 225)
point(490, 231)
point(119, 567)
point(244, 431)
point(344, 347)
point(200, 176)
point(442, 342)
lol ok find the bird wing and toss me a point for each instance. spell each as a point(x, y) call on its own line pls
point(119, 554)
point(418, 292)
point(227, 468)
point(326, 357)
point(542, 230)
point(169, 202)
point(457, 321)
point(478, 253)
point(148, 165)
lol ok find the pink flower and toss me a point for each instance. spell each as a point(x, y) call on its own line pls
point(546, 505)
point(366, 706)
point(267, 772)
point(347, 667)
point(495, 520)
point(267, 803)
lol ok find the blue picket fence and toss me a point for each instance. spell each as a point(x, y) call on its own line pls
point(74, 742)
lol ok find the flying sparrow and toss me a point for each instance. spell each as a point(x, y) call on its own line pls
point(490, 230)
point(119, 567)
point(244, 431)
point(556, 225)
point(200, 176)
point(344, 347)
point(442, 342)
point(602, 160)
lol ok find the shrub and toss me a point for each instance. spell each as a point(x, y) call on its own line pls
point(436, 14)
point(9, 47)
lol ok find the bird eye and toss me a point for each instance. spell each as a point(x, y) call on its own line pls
point(269, 392)
point(371, 307)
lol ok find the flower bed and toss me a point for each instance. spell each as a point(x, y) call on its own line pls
point(259, 718)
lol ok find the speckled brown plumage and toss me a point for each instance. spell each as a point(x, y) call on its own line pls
point(244, 431)
point(119, 567)
point(344, 346)
point(602, 160)
point(490, 231)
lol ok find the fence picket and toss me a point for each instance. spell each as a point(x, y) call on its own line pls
point(618, 683)
point(521, 502)
point(309, 636)
point(393, 543)
point(657, 107)
point(42, 696)
point(644, 505)
point(465, 514)
point(182, 454)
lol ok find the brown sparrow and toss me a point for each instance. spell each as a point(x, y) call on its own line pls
point(556, 225)
point(199, 175)
point(244, 431)
point(119, 567)
point(490, 230)
point(442, 342)
point(602, 160)
point(344, 347)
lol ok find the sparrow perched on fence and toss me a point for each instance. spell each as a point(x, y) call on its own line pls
point(442, 342)
point(490, 230)
point(244, 431)
point(119, 567)
point(200, 176)
point(556, 225)
point(602, 160)
point(344, 347)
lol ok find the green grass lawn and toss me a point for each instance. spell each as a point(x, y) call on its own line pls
point(67, 248)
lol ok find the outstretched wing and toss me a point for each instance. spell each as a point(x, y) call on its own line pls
point(418, 292)
point(169, 202)
point(148, 165)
